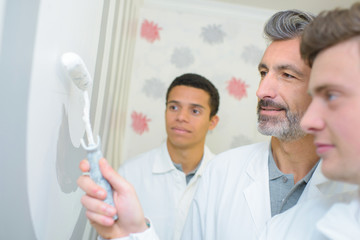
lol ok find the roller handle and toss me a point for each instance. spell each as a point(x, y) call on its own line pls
point(94, 154)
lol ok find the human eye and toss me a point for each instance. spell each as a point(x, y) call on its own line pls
point(331, 96)
point(262, 73)
point(172, 107)
point(287, 75)
point(196, 111)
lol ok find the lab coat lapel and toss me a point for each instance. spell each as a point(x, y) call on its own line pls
point(257, 193)
point(319, 186)
point(162, 161)
point(313, 188)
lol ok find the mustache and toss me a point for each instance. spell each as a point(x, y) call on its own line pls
point(271, 103)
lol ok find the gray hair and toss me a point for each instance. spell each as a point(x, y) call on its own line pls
point(286, 25)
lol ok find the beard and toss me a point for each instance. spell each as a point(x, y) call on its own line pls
point(286, 128)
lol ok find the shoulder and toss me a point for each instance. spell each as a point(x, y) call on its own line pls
point(232, 163)
point(143, 160)
point(227, 175)
point(241, 155)
point(246, 149)
point(208, 153)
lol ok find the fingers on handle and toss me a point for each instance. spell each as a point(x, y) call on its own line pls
point(115, 180)
point(97, 206)
point(99, 219)
point(84, 166)
point(91, 188)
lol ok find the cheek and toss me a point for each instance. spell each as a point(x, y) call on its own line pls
point(298, 99)
point(351, 142)
point(169, 116)
point(350, 149)
point(344, 131)
point(204, 126)
point(304, 103)
point(168, 120)
point(307, 101)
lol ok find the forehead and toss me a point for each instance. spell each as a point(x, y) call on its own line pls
point(187, 94)
point(283, 52)
point(337, 66)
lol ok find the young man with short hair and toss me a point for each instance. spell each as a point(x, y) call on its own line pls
point(165, 178)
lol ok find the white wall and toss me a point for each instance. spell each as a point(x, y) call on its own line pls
point(2, 16)
point(232, 49)
point(41, 126)
point(15, 70)
point(180, 24)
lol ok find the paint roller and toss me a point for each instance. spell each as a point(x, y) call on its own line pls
point(76, 70)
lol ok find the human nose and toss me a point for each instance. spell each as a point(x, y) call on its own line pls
point(312, 121)
point(182, 115)
point(267, 87)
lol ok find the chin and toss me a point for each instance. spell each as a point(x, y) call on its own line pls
point(332, 171)
point(180, 144)
point(328, 168)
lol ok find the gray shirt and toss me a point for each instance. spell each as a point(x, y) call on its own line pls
point(190, 175)
point(283, 192)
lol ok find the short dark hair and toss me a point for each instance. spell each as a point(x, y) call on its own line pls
point(328, 29)
point(200, 82)
point(285, 25)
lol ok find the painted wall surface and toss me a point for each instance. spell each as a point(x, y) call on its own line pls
point(2, 16)
point(54, 118)
point(43, 201)
point(222, 42)
point(15, 69)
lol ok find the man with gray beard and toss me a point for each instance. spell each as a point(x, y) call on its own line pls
point(284, 128)
point(243, 188)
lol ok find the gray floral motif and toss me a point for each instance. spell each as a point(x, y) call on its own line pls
point(240, 140)
point(182, 57)
point(154, 88)
point(252, 54)
point(213, 34)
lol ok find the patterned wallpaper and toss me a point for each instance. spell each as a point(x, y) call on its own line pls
point(224, 43)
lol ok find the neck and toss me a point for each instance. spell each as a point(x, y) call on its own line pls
point(296, 157)
point(188, 157)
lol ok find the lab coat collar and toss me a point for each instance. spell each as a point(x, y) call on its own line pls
point(319, 185)
point(318, 178)
point(163, 162)
point(208, 155)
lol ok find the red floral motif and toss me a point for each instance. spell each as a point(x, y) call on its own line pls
point(150, 31)
point(139, 123)
point(237, 88)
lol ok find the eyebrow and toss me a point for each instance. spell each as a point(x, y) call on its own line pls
point(283, 67)
point(320, 89)
point(262, 65)
point(192, 104)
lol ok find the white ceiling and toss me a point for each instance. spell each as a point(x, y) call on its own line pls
point(314, 6)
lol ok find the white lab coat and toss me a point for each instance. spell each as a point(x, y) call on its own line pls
point(162, 189)
point(233, 200)
point(320, 186)
point(335, 217)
